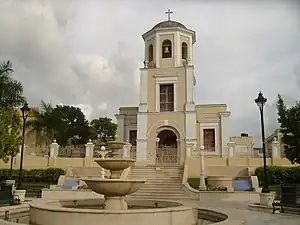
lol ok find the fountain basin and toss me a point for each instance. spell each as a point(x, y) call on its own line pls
point(114, 187)
point(89, 211)
point(116, 166)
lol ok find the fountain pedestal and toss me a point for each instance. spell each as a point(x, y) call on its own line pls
point(115, 203)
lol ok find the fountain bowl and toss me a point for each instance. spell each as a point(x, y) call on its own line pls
point(114, 164)
point(114, 187)
point(115, 145)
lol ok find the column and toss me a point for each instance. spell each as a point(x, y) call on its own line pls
point(89, 149)
point(225, 132)
point(190, 51)
point(157, 50)
point(177, 50)
point(202, 186)
point(275, 148)
point(121, 125)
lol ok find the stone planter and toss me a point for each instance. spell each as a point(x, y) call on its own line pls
point(266, 199)
point(20, 194)
point(220, 182)
point(10, 182)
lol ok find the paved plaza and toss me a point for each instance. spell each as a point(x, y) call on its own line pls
point(237, 209)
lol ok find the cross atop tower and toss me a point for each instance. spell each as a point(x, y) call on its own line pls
point(169, 12)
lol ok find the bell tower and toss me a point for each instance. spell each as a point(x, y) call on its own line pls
point(167, 86)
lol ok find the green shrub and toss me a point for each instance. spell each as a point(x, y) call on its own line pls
point(50, 175)
point(279, 175)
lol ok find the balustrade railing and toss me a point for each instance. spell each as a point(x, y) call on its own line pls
point(72, 152)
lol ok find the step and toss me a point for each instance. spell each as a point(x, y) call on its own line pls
point(157, 177)
point(172, 186)
point(155, 174)
point(164, 180)
point(163, 192)
point(159, 194)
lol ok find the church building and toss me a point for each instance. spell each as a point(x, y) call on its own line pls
point(167, 122)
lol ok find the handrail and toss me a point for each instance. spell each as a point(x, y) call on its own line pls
point(191, 192)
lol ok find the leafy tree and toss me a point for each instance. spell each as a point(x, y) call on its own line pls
point(289, 119)
point(103, 128)
point(42, 124)
point(11, 91)
point(10, 133)
point(69, 124)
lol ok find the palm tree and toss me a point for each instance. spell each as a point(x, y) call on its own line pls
point(41, 125)
point(11, 90)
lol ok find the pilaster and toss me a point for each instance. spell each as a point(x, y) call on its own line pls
point(189, 70)
point(225, 132)
point(157, 50)
point(121, 126)
point(143, 106)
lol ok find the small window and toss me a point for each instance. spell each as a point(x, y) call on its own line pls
point(150, 53)
point(166, 97)
point(209, 139)
point(184, 49)
point(167, 49)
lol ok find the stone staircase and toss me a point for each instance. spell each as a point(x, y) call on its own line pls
point(165, 183)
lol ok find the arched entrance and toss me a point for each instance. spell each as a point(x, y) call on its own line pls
point(167, 148)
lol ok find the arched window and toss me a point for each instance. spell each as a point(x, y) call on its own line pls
point(184, 51)
point(167, 49)
point(150, 53)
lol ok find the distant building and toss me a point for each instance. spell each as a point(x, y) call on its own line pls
point(243, 145)
point(31, 138)
point(167, 120)
point(276, 134)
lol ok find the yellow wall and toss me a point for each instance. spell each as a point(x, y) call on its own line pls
point(181, 94)
point(234, 166)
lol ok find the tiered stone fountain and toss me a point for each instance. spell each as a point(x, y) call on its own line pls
point(114, 189)
point(113, 209)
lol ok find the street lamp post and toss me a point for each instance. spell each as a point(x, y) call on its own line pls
point(25, 113)
point(261, 101)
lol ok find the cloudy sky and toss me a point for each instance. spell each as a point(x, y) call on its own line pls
point(88, 52)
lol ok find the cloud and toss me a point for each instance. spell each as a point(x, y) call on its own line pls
point(84, 53)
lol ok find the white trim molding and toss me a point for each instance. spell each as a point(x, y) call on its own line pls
point(214, 126)
point(165, 80)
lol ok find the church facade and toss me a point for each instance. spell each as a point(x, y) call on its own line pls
point(167, 123)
